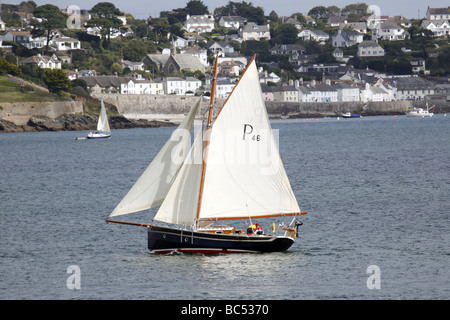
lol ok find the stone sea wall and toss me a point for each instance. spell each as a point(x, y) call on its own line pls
point(20, 113)
point(171, 106)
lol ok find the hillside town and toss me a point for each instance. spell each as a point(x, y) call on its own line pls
point(329, 55)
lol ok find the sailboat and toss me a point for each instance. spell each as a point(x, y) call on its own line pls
point(232, 171)
point(103, 130)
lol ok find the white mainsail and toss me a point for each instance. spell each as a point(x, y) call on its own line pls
point(151, 188)
point(102, 124)
point(244, 174)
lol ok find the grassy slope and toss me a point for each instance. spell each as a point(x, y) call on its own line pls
point(12, 91)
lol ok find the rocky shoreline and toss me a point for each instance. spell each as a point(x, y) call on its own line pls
point(73, 122)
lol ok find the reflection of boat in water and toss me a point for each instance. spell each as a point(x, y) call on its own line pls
point(198, 187)
point(103, 130)
point(348, 115)
point(420, 112)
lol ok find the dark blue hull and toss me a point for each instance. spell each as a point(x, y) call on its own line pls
point(165, 240)
point(102, 137)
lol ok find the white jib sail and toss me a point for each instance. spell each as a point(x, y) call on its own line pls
point(180, 204)
point(102, 124)
point(244, 173)
point(152, 186)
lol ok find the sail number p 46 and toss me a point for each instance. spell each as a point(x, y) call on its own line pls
point(248, 130)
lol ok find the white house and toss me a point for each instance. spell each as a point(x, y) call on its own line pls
point(440, 28)
point(252, 31)
point(224, 88)
point(370, 48)
point(373, 93)
point(2, 25)
point(346, 92)
point(346, 38)
point(180, 86)
point(388, 88)
point(133, 66)
point(313, 35)
point(389, 31)
point(64, 44)
point(44, 62)
point(25, 38)
point(174, 85)
point(265, 77)
point(192, 85)
point(231, 22)
point(220, 48)
point(322, 93)
point(418, 65)
point(438, 13)
point(336, 21)
point(355, 26)
point(304, 95)
point(181, 43)
point(127, 87)
point(196, 51)
point(199, 23)
point(141, 86)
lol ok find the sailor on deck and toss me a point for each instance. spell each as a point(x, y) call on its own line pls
point(258, 230)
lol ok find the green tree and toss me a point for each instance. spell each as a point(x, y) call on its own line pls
point(50, 18)
point(174, 16)
point(196, 7)
point(358, 9)
point(116, 68)
point(333, 11)
point(105, 18)
point(56, 80)
point(398, 67)
point(318, 12)
point(243, 9)
point(159, 29)
point(285, 34)
point(9, 68)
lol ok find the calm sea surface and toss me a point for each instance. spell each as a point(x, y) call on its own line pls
point(376, 189)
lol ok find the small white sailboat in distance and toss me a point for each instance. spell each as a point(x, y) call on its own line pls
point(103, 130)
point(219, 179)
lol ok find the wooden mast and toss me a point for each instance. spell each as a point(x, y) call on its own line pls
point(208, 132)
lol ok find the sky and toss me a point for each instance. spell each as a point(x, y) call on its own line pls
point(142, 9)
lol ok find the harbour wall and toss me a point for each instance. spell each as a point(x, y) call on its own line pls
point(170, 106)
point(20, 113)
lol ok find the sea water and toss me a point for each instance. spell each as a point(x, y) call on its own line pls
point(376, 190)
